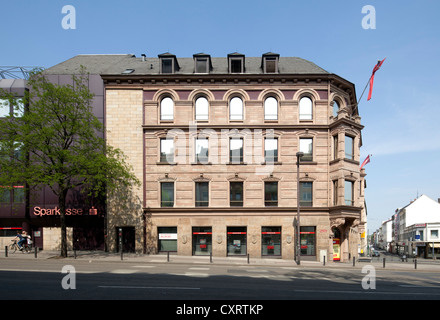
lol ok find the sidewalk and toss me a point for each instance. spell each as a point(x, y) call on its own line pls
point(390, 264)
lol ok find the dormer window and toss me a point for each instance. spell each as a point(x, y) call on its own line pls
point(168, 63)
point(270, 62)
point(236, 63)
point(202, 63)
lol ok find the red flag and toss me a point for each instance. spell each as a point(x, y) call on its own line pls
point(367, 160)
point(376, 67)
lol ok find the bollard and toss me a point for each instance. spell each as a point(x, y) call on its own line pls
point(384, 262)
point(168, 256)
point(35, 252)
point(210, 257)
point(122, 255)
point(354, 261)
point(415, 263)
point(324, 260)
point(74, 253)
point(248, 258)
point(6, 251)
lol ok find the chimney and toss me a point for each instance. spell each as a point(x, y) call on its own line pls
point(144, 57)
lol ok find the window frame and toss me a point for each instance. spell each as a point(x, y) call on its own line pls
point(349, 201)
point(198, 116)
point(201, 202)
point(268, 116)
point(275, 155)
point(164, 158)
point(306, 197)
point(232, 157)
point(271, 202)
point(162, 114)
point(196, 154)
point(241, 114)
point(351, 155)
point(162, 201)
point(335, 109)
point(236, 203)
point(308, 156)
point(302, 115)
point(201, 65)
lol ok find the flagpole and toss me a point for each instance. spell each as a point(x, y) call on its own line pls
point(369, 80)
point(357, 103)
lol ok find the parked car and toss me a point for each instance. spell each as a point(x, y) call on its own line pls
point(375, 253)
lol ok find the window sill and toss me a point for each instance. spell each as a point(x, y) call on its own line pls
point(276, 163)
point(303, 162)
point(236, 163)
point(161, 163)
point(201, 163)
point(351, 161)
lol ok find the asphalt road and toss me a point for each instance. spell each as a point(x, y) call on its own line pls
point(103, 280)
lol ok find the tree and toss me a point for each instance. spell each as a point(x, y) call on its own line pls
point(56, 142)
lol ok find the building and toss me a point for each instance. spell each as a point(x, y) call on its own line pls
point(384, 236)
point(35, 210)
point(214, 141)
point(417, 228)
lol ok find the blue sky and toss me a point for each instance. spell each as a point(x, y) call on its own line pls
point(401, 120)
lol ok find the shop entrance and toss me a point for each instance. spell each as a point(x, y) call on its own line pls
point(236, 238)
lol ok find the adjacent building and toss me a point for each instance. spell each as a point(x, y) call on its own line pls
point(417, 227)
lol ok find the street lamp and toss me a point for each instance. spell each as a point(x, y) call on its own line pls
point(298, 244)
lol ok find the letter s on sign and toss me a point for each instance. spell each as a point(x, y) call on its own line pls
point(37, 211)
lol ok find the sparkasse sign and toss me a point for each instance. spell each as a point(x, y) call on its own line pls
point(38, 211)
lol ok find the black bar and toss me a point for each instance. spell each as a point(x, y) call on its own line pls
point(6, 251)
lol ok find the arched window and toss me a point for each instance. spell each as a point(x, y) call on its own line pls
point(335, 108)
point(201, 108)
point(270, 109)
point(167, 109)
point(305, 108)
point(236, 109)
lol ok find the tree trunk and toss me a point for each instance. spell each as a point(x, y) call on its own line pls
point(62, 205)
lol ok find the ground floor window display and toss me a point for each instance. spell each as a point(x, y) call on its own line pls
point(308, 241)
point(201, 241)
point(167, 239)
point(271, 241)
point(236, 237)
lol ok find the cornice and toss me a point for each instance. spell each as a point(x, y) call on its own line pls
point(241, 78)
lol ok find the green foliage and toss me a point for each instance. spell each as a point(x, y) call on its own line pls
point(56, 141)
